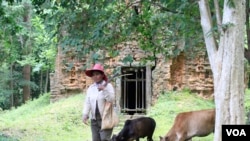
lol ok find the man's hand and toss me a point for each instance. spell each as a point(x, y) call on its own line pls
point(101, 87)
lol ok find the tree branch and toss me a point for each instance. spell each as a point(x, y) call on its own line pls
point(206, 23)
point(166, 9)
point(218, 15)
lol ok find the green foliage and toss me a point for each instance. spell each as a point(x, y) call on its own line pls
point(95, 25)
point(5, 90)
point(247, 105)
point(231, 4)
point(23, 40)
point(128, 59)
point(10, 27)
point(247, 98)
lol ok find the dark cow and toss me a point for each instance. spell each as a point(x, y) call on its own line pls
point(189, 124)
point(135, 129)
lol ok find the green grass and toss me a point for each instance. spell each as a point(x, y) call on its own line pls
point(38, 120)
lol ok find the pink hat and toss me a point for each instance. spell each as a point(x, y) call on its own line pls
point(96, 67)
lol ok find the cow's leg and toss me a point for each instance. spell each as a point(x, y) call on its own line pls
point(132, 139)
point(182, 138)
point(189, 139)
point(149, 138)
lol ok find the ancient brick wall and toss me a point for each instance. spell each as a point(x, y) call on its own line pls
point(175, 74)
point(183, 72)
point(199, 75)
point(64, 81)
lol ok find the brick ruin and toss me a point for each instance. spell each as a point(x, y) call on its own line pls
point(184, 72)
point(169, 75)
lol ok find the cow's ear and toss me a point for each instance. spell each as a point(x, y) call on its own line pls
point(163, 138)
point(160, 138)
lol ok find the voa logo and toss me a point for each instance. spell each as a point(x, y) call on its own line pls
point(236, 132)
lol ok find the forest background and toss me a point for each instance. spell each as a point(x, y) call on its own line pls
point(32, 30)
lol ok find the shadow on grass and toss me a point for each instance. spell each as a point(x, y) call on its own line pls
point(6, 138)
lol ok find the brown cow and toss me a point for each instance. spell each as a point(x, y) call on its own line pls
point(190, 124)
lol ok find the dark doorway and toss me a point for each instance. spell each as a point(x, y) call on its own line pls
point(133, 90)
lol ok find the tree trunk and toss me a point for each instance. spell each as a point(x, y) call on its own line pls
point(11, 86)
point(227, 63)
point(26, 44)
point(46, 82)
point(26, 88)
point(41, 82)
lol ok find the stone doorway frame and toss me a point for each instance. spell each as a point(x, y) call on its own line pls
point(128, 100)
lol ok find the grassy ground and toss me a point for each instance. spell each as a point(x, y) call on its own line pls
point(170, 104)
point(39, 120)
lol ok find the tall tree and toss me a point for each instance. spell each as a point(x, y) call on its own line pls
point(226, 59)
point(10, 52)
point(26, 45)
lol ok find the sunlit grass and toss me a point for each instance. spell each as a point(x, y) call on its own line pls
point(40, 120)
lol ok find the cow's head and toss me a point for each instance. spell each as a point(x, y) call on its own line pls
point(117, 138)
point(124, 134)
